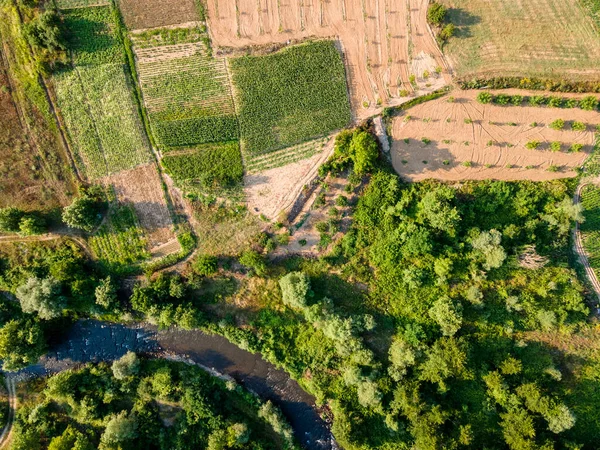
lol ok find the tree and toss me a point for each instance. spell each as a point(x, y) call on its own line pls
point(10, 218)
point(445, 359)
point(447, 32)
point(446, 315)
point(21, 344)
point(436, 14)
point(31, 225)
point(45, 32)
point(205, 265)
point(71, 439)
point(120, 428)
point(83, 213)
point(368, 394)
point(41, 296)
point(126, 366)
point(436, 209)
point(487, 245)
point(364, 152)
point(106, 293)
point(295, 288)
point(402, 356)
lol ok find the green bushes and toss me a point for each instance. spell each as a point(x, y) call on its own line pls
point(532, 145)
point(558, 124)
point(290, 96)
point(436, 14)
point(589, 103)
point(484, 98)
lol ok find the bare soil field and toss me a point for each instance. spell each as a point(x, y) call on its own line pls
point(142, 188)
point(274, 191)
point(531, 38)
point(382, 40)
point(140, 14)
point(25, 181)
point(464, 139)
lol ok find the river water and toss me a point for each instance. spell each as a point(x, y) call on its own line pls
point(95, 341)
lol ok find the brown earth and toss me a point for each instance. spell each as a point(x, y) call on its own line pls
point(142, 188)
point(376, 37)
point(491, 138)
point(139, 14)
point(26, 181)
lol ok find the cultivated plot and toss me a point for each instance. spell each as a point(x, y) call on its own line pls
point(543, 38)
point(139, 14)
point(290, 96)
point(383, 41)
point(72, 4)
point(590, 228)
point(458, 138)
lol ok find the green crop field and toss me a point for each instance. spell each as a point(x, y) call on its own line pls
point(120, 242)
point(91, 36)
point(290, 96)
point(97, 105)
point(186, 91)
point(168, 36)
point(590, 229)
point(68, 4)
point(285, 156)
point(209, 166)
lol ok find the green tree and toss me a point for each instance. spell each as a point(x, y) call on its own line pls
point(106, 293)
point(487, 246)
point(436, 14)
point(45, 32)
point(205, 265)
point(295, 288)
point(41, 296)
point(71, 439)
point(31, 225)
point(126, 366)
point(10, 219)
point(445, 359)
point(364, 152)
point(83, 213)
point(21, 344)
point(119, 429)
point(446, 315)
point(437, 210)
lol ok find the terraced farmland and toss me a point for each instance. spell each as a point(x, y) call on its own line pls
point(590, 229)
point(186, 91)
point(290, 96)
point(120, 243)
point(102, 121)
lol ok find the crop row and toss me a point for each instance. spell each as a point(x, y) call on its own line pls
point(91, 36)
point(211, 166)
point(285, 156)
point(290, 96)
point(69, 4)
point(177, 133)
point(169, 36)
point(589, 103)
point(169, 53)
point(590, 229)
point(120, 242)
point(102, 121)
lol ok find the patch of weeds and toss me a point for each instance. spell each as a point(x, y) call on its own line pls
point(302, 242)
point(467, 164)
point(555, 146)
point(446, 162)
point(532, 145)
point(576, 148)
point(552, 168)
point(468, 120)
point(341, 201)
point(426, 141)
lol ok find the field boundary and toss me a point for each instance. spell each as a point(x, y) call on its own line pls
point(580, 249)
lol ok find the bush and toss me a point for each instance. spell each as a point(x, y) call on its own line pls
point(558, 124)
point(205, 265)
point(447, 32)
point(578, 126)
point(589, 103)
point(575, 148)
point(364, 152)
point(83, 213)
point(436, 14)
point(254, 261)
point(41, 296)
point(10, 218)
point(31, 225)
point(555, 146)
point(126, 366)
point(485, 98)
point(532, 145)
point(295, 287)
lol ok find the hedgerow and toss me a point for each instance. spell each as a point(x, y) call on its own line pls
point(209, 165)
point(587, 103)
point(91, 36)
point(177, 133)
point(290, 96)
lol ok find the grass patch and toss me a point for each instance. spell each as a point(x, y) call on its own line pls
point(590, 229)
point(290, 96)
point(197, 130)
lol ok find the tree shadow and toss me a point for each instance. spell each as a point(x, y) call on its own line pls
point(463, 20)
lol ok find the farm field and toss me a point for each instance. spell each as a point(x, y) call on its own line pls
point(383, 42)
point(140, 14)
point(463, 139)
point(186, 91)
point(102, 120)
point(120, 242)
point(290, 96)
point(68, 4)
point(141, 187)
point(209, 167)
point(285, 156)
point(547, 38)
point(590, 228)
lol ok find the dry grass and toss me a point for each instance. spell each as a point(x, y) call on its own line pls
point(139, 14)
point(532, 38)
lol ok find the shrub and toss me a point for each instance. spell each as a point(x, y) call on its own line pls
point(589, 103)
point(555, 146)
point(553, 168)
point(436, 14)
point(253, 261)
point(364, 152)
point(447, 32)
point(485, 98)
point(517, 100)
point(205, 265)
point(10, 218)
point(426, 141)
point(502, 99)
point(578, 126)
point(575, 148)
point(83, 213)
point(532, 145)
point(41, 296)
point(558, 124)
point(126, 366)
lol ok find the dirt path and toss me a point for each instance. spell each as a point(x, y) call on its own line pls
point(579, 249)
point(5, 437)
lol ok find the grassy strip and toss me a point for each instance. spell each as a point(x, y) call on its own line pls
point(290, 96)
point(590, 229)
point(187, 240)
point(392, 111)
point(535, 84)
point(593, 10)
point(200, 130)
point(169, 36)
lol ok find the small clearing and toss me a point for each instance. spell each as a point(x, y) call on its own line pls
point(459, 139)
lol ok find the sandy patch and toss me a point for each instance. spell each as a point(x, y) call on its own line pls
point(374, 36)
point(490, 138)
point(142, 188)
point(140, 14)
point(274, 191)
